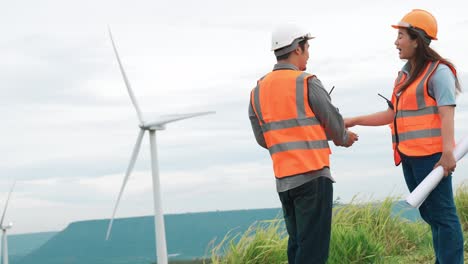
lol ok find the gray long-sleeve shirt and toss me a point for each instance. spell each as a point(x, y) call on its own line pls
point(327, 114)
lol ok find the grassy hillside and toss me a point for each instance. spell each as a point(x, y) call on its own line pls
point(191, 236)
point(23, 244)
point(361, 233)
point(132, 239)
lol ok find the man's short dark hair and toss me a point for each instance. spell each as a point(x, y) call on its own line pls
point(301, 44)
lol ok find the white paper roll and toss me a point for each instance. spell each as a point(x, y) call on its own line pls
point(417, 197)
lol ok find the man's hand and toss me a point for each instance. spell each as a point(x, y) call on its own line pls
point(448, 163)
point(352, 137)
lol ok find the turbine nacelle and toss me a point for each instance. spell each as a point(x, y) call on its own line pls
point(10, 225)
point(149, 126)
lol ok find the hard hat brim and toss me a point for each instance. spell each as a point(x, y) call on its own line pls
point(308, 36)
point(407, 26)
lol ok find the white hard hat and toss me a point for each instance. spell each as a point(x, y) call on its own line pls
point(285, 35)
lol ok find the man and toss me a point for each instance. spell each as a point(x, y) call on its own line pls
point(292, 116)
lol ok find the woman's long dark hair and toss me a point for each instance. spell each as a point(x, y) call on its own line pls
point(423, 55)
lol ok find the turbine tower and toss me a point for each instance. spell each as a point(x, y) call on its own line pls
point(5, 228)
point(151, 126)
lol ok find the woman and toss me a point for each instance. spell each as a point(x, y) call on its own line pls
point(421, 116)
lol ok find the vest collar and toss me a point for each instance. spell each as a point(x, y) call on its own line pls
point(284, 66)
point(406, 68)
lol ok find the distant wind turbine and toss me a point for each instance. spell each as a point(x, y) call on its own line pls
point(151, 126)
point(5, 228)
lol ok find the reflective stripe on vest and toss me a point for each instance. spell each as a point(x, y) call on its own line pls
point(289, 124)
point(296, 141)
point(416, 130)
point(318, 144)
point(417, 134)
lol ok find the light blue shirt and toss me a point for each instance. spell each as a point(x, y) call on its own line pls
point(441, 85)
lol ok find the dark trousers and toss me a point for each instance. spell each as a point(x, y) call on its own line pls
point(438, 210)
point(307, 211)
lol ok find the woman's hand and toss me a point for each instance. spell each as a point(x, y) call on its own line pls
point(448, 162)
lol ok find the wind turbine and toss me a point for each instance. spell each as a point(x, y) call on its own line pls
point(5, 228)
point(151, 126)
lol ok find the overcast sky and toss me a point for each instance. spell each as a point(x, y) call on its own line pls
point(69, 126)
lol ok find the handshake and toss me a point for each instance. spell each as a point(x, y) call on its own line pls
point(352, 137)
point(340, 135)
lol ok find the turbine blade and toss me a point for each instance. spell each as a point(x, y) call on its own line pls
point(6, 204)
point(162, 120)
point(133, 158)
point(127, 83)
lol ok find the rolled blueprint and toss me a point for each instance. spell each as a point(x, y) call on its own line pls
point(417, 197)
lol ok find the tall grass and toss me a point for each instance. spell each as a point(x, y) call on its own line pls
point(369, 233)
point(461, 201)
point(361, 233)
point(263, 242)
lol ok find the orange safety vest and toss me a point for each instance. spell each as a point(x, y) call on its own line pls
point(416, 128)
point(295, 139)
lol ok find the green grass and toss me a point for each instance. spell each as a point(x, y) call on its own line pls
point(361, 233)
point(263, 242)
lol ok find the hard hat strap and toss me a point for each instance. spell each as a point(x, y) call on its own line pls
point(423, 34)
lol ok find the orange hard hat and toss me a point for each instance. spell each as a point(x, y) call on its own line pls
point(420, 19)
